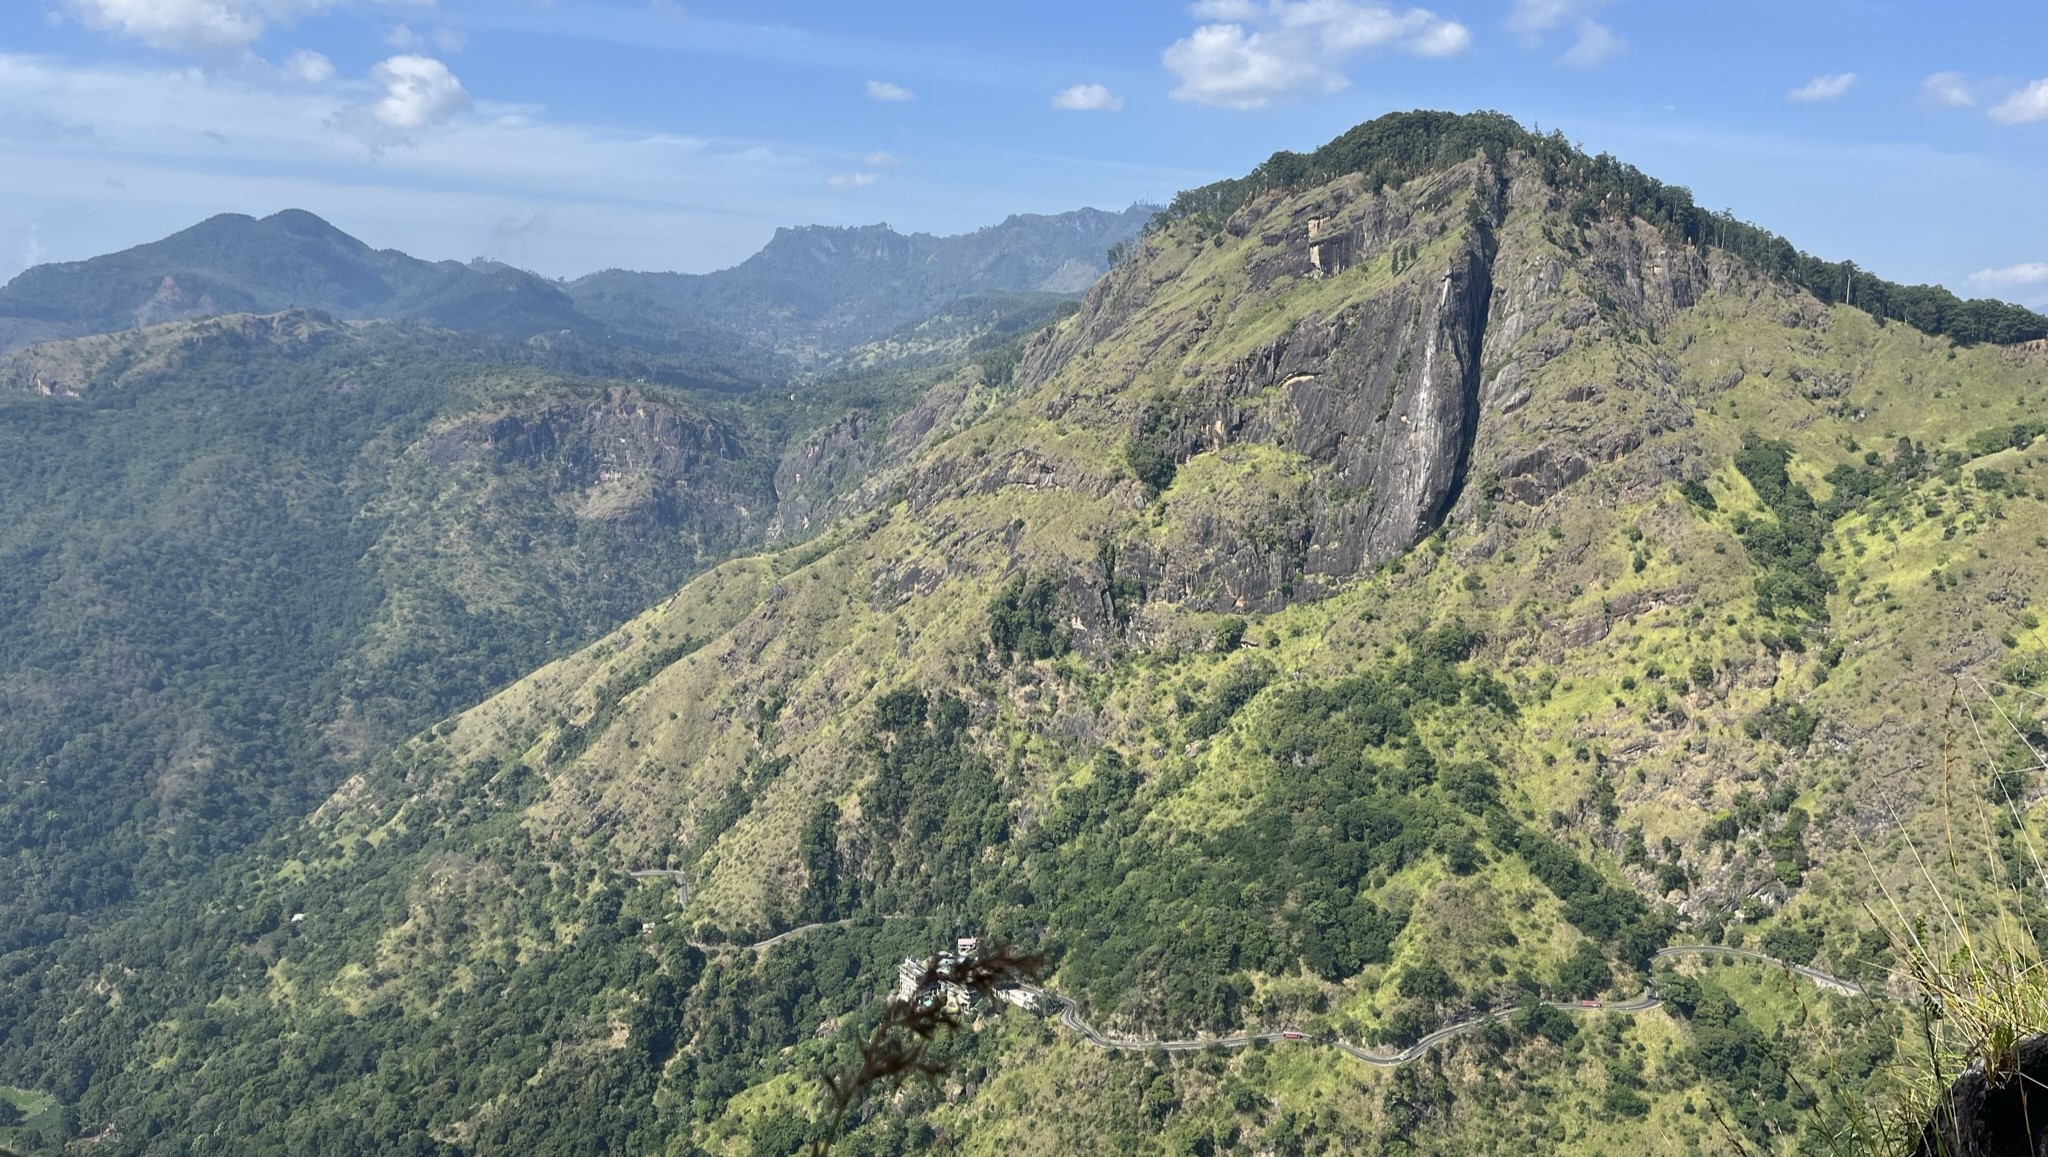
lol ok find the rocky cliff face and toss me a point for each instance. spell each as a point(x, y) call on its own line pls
point(70, 368)
point(1398, 332)
point(623, 457)
point(851, 464)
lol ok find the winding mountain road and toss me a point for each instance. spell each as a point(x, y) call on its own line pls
point(1070, 1015)
point(799, 930)
point(1831, 983)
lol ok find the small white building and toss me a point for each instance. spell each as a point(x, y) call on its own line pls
point(910, 977)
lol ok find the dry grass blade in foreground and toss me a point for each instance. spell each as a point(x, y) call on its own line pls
point(1977, 973)
point(896, 1050)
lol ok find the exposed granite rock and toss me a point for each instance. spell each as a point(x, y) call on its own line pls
point(847, 466)
point(624, 457)
point(1396, 394)
point(2002, 1115)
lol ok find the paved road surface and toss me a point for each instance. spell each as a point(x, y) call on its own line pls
point(1831, 983)
point(772, 941)
point(1070, 1016)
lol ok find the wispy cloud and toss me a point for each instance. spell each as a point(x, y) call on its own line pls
point(202, 142)
point(2026, 283)
point(222, 29)
point(1597, 44)
point(2027, 273)
point(1947, 90)
point(882, 160)
point(2027, 106)
point(202, 27)
point(882, 90)
point(308, 67)
point(852, 180)
point(1593, 44)
point(1087, 98)
point(1250, 55)
point(780, 42)
point(1830, 87)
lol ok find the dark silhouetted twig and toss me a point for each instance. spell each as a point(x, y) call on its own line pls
point(897, 1048)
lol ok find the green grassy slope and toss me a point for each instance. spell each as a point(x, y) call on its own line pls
point(1338, 650)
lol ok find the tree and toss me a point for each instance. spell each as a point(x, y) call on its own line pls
point(1584, 973)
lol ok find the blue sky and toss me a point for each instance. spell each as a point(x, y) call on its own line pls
point(570, 135)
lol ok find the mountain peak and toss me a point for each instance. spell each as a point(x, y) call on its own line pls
point(1399, 147)
point(301, 223)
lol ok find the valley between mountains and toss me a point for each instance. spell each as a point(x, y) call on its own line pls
point(1438, 574)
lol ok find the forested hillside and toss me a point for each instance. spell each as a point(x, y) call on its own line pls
point(240, 556)
point(1428, 577)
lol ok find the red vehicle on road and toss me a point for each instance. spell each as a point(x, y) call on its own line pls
point(1293, 1036)
point(1589, 1004)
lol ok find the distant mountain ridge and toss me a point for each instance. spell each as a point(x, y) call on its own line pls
point(237, 264)
point(812, 290)
point(815, 289)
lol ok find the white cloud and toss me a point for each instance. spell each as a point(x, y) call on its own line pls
point(1534, 17)
point(882, 90)
point(1594, 43)
point(1829, 87)
point(1251, 54)
point(203, 27)
point(2027, 273)
point(308, 67)
point(851, 180)
point(2027, 106)
point(882, 160)
point(405, 38)
point(419, 91)
point(1947, 90)
point(614, 196)
point(1597, 44)
point(1087, 98)
point(1446, 38)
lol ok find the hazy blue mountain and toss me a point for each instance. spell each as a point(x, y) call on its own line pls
point(811, 290)
point(817, 289)
point(237, 264)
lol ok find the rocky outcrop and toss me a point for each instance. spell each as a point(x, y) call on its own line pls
point(71, 368)
point(1381, 399)
point(851, 464)
point(170, 302)
point(624, 434)
point(624, 457)
point(1438, 368)
point(2002, 1114)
